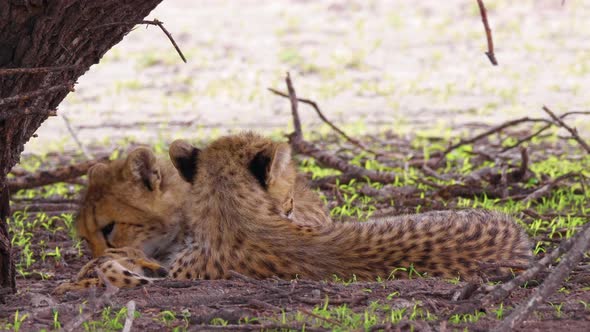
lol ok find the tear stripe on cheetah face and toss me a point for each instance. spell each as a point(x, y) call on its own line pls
point(135, 202)
point(236, 226)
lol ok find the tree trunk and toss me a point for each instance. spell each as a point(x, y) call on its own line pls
point(67, 35)
point(7, 281)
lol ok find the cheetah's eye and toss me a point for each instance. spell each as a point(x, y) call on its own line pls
point(107, 230)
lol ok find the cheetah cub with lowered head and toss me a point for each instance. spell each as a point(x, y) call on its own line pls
point(131, 217)
point(136, 202)
point(232, 223)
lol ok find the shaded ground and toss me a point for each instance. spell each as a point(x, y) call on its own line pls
point(245, 304)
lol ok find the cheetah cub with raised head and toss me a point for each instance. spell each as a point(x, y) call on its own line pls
point(234, 224)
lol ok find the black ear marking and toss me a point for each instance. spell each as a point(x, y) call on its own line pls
point(147, 183)
point(187, 166)
point(184, 157)
point(259, 168)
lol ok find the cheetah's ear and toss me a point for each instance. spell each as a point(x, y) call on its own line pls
point(142, 165)
point(184, 158)
point(97, 174)
point(281, 159)
point(270, 165)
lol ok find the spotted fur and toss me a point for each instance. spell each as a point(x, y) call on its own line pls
point(123, 268)
point(136, 203)
point(234, 224)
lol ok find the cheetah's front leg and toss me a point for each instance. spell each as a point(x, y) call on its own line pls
point(121, 268)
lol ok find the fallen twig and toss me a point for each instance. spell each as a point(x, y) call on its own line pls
point(43, 178)
point(486, 133)
point(95, 305)
point(484, 18)
point(290, 295)
point(573, 131)
point(552, 282)
point(502, 291)
point(546, 189)
point(257, 327)
point(130, 316)
point(325, 319)
point(329, 160)
point(45, 207)
point(542, 129)
point(327, 182)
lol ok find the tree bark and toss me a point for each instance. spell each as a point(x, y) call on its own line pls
point(68, 36)
point(7, 277)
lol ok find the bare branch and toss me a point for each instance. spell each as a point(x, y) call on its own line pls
point(486, 25)
point(153, 22)
point(572, 131)
point(487, 133)
point(325, 120)
point(43, 178)
point(298, 134)
point(553, 281)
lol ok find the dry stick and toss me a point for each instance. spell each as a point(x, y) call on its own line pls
point(325, 319)
point(285, 293)
point(36, 70)
point(327, 182)
point(161, 25)
point(259, 283)
point(484, 18)
point(540, 131)
point(551, 283)
point(486, 133)
point(524, 164)
point(36, 93)
point(130, 316)
point(75, 137)
point(325, 120)
point(256, 327)
point(330, 160)
point(60, 174)
point(527, 138)
point(546, 189)
point(298, 134)
point(154, 22)
point(502, 291)
point(572, 131)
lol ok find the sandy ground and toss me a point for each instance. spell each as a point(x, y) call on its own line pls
point(369, 64)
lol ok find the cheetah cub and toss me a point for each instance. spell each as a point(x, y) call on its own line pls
point(232, 223)
point(136, 203)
